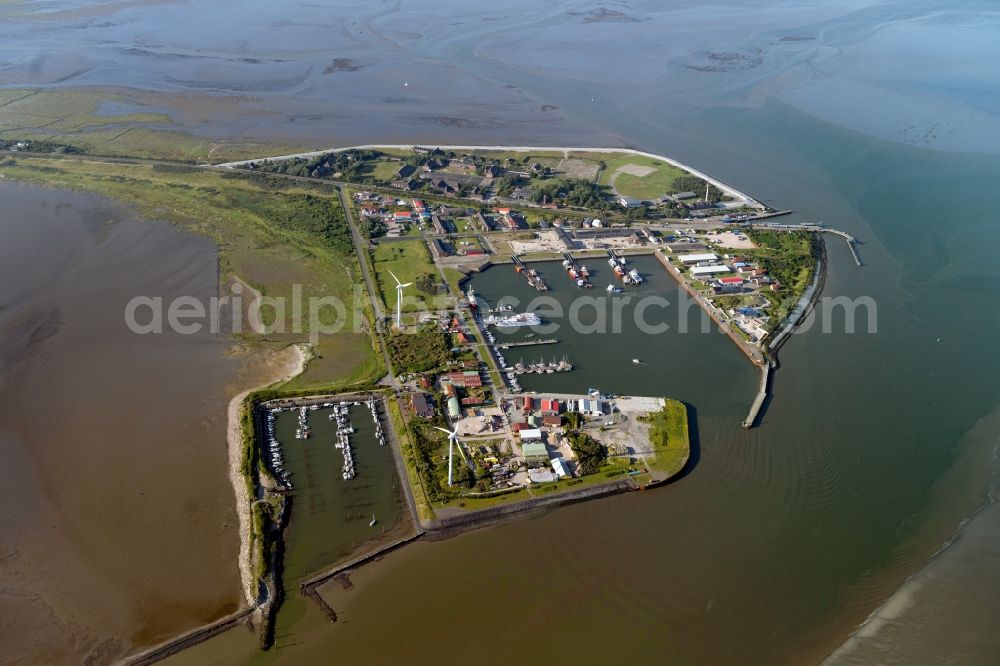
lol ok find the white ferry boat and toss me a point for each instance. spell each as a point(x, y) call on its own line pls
point(513, 321)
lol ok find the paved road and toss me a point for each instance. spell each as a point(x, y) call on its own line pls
point(396, 444)
point(361, 250)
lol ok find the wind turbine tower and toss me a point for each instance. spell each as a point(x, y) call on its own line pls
point(452, 440)
point(399, 299)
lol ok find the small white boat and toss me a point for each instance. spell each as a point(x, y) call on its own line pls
point(372, 524)
point(636, 361)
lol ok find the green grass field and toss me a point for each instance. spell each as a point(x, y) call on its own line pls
point(385, 170)
point(423, 505)
point(670, 436)
point(407, 260)
point(454, 277)
point(652, 186)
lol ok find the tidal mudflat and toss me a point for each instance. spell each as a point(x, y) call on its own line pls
point(121, 527)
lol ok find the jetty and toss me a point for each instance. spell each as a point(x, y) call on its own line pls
point(534, 279)
point(758, 401)
point(527, 343)
point(577, 272)
point(851, 242)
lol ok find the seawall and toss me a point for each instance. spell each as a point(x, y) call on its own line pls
point(457, 523)
point(189, 639)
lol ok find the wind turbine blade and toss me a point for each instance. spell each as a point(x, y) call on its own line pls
point(408, 284)
point(394, 277)
point(450, 433)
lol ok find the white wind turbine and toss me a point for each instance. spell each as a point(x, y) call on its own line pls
point(452, 440)
point(399, 299)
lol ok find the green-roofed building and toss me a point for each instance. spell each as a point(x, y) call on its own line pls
point(535, 452)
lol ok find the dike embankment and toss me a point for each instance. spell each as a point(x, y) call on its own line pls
point(452, 524)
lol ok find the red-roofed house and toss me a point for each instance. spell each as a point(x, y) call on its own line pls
point(468, 378)
point(550, 406)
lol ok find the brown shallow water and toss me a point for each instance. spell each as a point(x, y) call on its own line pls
point(119, 518)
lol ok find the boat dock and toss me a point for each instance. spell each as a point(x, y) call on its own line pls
point(578, 273)
point(541, 367)
point(527, 343)
point(534, 279)
point(619, 266)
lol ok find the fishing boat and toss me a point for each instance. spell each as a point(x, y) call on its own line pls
point(372, 524)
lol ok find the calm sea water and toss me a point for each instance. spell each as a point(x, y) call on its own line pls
point(878, 118)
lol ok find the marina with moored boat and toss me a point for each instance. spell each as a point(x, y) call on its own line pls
point(534, 279)
point(339, 414)
point(577, 272)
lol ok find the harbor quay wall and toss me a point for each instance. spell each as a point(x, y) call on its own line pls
point(755, 355)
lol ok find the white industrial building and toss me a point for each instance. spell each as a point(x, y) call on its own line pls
point(697, 258)
point(541, 475)
point(710, 270)
point(531, 435)
point(591, 407)
point(559, 467)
